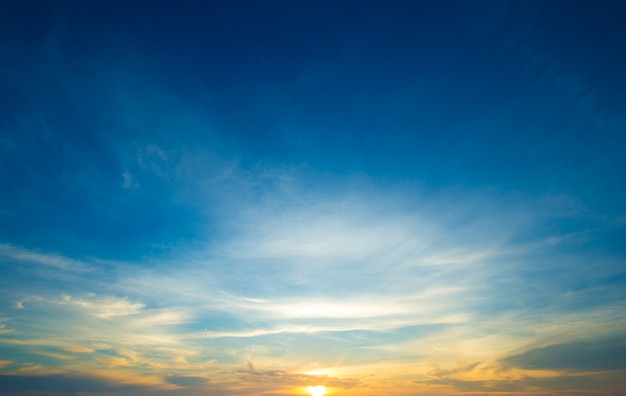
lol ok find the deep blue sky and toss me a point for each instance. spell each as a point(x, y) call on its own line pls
point(518, 96)
point(298, 152)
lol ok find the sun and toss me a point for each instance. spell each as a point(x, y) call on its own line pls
point(317, 390)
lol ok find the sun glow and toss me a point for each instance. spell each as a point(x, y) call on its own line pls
point(317, 390)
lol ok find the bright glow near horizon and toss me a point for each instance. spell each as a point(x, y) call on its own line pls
point(317, 390)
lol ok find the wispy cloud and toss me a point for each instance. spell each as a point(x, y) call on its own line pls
point(377, 272)
point(4, 329)
point(105, 307)
point(46, 259)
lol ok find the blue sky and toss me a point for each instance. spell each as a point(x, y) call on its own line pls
point(249, 198)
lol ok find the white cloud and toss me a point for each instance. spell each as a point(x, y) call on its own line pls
point(47, 259)
point(107, 307)
point(128, 180)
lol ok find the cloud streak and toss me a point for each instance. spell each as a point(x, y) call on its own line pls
point(54, 261)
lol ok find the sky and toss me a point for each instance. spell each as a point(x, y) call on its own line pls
point(383, 198)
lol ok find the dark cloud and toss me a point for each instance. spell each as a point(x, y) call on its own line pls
point(186, 381)
point(59, 383)
point(566, 382)
point(604, 380)
point(51, 393)
point(589, 365)
point(603, 355)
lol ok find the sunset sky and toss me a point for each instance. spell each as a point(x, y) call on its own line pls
point(260, 197)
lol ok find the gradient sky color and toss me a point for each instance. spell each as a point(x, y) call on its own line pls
point(254, 197)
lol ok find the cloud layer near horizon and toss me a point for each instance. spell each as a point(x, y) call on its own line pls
point(323, 280)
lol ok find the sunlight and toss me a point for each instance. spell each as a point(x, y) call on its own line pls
point(317, 390)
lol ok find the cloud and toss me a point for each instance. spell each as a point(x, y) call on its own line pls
point(580, 365)
point(442, 373)
point(4, 330)
point(421, 306)
point(53, 355)
point(50, 260)
point(597, 355)
point(313, 275)
point(611, 380)
point(186, 381)
point(60, 383)
point(128, 180)
point(29, 367)
point(286, 378)
point(598, 382)
point(478, 385)
point(107, 307)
